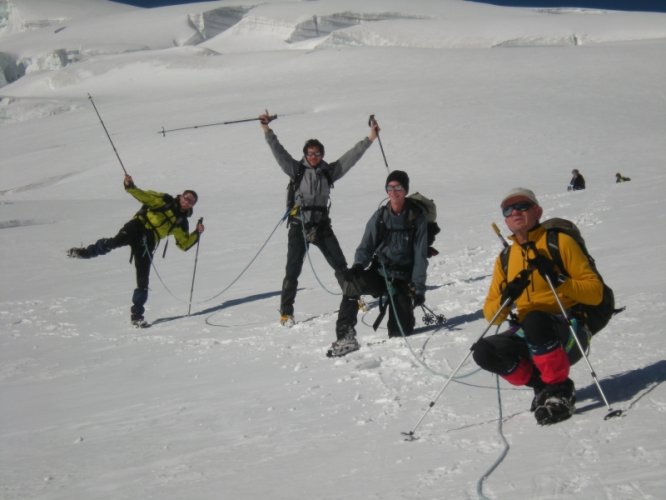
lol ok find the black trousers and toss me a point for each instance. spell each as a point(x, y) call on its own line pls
point(370, 282)
point(540, 334)
point(142, 242)
point(322, 237)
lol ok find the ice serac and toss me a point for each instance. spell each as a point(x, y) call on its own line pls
point(213, 22)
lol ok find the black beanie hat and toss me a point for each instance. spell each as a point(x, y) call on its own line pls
point(398, 176)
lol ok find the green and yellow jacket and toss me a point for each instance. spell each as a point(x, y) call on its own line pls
point(583, 285)
point(162, 215)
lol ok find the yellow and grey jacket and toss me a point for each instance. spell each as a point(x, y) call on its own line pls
point(582, 287)
point(162, 215)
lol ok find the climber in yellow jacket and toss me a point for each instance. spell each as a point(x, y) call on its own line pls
point(161, 215)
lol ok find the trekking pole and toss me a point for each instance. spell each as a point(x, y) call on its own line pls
point(371, 122)
point(410, 434)
point(196, 258)
point(107, 133)
point(611, 413)
point(430, 317)
point(230, 122)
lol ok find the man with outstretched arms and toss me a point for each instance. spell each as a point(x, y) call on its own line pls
point(311, 180)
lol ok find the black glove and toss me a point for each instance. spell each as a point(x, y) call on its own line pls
point(515, 287)
point(419, 298)
point(546, 268)
point(354, 272)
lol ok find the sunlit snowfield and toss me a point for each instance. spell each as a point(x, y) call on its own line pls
point(472, 99)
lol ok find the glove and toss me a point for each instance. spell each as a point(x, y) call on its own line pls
point(515, 287)
point(547, 269)
point(419, 298)
point(354, 272)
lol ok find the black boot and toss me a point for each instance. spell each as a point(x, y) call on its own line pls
point(555, 403)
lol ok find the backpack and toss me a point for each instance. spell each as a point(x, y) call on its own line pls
point(595, 317)
point(170, 203)
point(423, 205)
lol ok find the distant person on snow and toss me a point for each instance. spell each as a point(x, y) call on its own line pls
point(620, 178)
point(392, 258)
point(308, 203)
point(538, 348)
point(577, 181)
point(160, 216)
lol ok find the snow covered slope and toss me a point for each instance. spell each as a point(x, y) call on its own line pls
point(472, 100)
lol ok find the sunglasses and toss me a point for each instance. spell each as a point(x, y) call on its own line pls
point(313, 154)
point(521, 206)
point(397, 188)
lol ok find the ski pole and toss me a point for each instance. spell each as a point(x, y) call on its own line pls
point(410, 434)
point(371, 122)
point(196, 259)
point(611, 413)
point(107, 133)
point(230, 122)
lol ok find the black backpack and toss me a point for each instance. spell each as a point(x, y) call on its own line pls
point(596, 317)
point(421, 204)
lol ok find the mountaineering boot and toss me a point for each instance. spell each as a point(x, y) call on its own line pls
point(342, 347)
point(287, 320)
point(77, 253)
point(345, 344)
point(100, 247)
point(555, 403)
point(139, 322)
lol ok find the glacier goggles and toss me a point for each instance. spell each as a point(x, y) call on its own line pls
point(397, 188)
point(521, 206)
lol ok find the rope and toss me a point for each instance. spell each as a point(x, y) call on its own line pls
point(282, 219)
point(503, 454)
point(152, 264)
point(402, 332)
point(307, 252)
